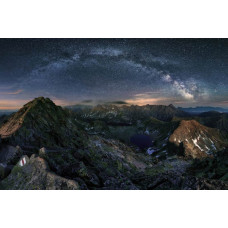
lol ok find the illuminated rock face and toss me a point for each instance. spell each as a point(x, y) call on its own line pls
point(195, 140)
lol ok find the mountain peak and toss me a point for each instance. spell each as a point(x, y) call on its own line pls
point(172, 106)
point(40, 123)
point(196, 140)
point(31, 110)
point(39, 101)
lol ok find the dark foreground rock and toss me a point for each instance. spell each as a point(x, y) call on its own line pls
point(174, 174)
point(104, 164)
point(36, 174)
point(4, 170)
point(10, 154)
point(171, 181)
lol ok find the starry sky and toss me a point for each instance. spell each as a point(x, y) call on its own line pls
point(184, 72)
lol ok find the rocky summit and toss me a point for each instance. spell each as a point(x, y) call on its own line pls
point(195, 140)
point(41, 123)
point(45, 146)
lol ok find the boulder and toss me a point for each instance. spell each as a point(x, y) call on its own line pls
point(10, 154)
point(36, 174)
point(4, 170)
point(42, 151)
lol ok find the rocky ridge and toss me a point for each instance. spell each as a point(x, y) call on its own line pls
point(41, 123)
point(192, 139)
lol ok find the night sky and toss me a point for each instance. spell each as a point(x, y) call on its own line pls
point(184, 72)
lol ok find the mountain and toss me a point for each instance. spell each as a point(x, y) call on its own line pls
point(4, 118)
point(195, 140)
point(127, 114)
point(79, 107)
point(201, 109)
point(44, 146)
point(215, 120)
point(61, 155)
point(41, 123)
point(6, 112)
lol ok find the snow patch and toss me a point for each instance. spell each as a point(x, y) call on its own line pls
point(213, 144)
point(150, 151)
point(196, 144)
point(147, 132)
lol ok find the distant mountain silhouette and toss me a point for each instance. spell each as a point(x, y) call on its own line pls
point(133, 113)
point(201, 109)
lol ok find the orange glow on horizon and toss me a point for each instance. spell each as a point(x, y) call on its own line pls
point(12, 93)
point(152, 101)
point(17, 104)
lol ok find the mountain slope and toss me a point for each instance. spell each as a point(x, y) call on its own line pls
point(36, 174)
point(128, 114)
point(195, 140)
point(41, 123)
point(215, 120)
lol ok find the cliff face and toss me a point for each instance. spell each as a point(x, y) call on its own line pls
point(195, 140)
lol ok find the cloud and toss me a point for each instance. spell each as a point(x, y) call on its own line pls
point(117, 102)
point(12, 104)
point(147, 94)
point(87, 101)
point(16, 104)
point(12, 93)
point(152, 101)
point(150, 94)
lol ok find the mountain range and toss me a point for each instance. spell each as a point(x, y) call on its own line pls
point(201, 109)
point(44, 146)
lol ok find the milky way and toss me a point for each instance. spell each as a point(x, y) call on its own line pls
point(185, 72)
